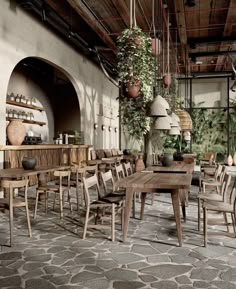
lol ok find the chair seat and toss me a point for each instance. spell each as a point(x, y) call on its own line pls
point(48, 188)
point(16, 202)
point(218, 206)
point(210, 196)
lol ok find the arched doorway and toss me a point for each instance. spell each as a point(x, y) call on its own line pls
point(41, 84)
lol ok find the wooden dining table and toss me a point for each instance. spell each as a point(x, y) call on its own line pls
point(149, 182)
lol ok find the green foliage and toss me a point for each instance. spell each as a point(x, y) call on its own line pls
point(135, 62)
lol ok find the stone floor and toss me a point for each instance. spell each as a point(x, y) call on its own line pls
point(57, 257)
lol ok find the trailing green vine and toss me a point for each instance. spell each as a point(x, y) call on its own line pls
point(135, 63)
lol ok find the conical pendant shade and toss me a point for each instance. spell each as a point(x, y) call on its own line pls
point(185, 119)
point(175, 116)
point(174, 123)
point(157, 109)
point(174, 131)
point(162, 123)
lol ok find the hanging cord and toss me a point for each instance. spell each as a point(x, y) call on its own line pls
point(131, 13)
point(168, 45)
point(134, 14)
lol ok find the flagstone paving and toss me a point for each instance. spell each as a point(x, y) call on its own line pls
point(57, 258)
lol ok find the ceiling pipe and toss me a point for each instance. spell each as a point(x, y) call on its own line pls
point(210, 53)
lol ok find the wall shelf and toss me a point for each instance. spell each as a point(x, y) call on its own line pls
point(29, 121)
point(21, 104)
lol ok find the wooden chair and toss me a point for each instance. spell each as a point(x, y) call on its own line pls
point(60, 188)
point(216, 195)
point(222, 207)
point(12, 202)
point(215, 182)
point(209, 178)
point(76, 181)
point(108, 205)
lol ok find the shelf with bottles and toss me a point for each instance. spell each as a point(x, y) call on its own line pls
point(23, 101)
point(28, 121)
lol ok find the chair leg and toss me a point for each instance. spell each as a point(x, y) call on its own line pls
point(134, 203)
point(86, 222)
point(27, 216)
point(36, 204)
point(11, 217)
point(199, 214)
point(46, 202)
point(61, 203)
point(113, 223)
point(152, 202)
point(77, 198)
point(54, 202)
point(226, 221)
point(233, 222)
point(205, 226)
point(69, 200)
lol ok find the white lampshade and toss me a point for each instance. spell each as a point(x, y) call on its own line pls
point(174, 123)
point(162, 123)
point(175, 117)
point(170, 120)
point(157, 109)
point(161, 101)
point(174, 131)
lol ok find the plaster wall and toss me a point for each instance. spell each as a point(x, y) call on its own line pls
point(22, 36)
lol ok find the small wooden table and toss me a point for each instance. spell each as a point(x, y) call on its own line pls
point(147, 182)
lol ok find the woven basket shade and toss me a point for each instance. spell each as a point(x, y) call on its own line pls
point(185, 119)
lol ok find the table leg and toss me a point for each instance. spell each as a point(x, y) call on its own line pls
point(41, 183)
point(143, 199)
point(128, 206)
point(182, 198)
point(175, 204)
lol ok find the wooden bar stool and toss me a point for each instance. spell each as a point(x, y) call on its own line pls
point(12, 202)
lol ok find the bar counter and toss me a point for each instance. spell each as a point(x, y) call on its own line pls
point(46, 155)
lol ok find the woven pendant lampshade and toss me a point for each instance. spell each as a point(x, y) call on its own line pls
point(185, 120)
point(174, 131)
point(162, 123)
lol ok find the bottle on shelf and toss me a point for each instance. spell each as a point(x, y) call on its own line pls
point(27, 100)
point(22, 98)
point(12, 97)
point(14, 114)
point(31, 116)
point(17, 98)
point(10, 113)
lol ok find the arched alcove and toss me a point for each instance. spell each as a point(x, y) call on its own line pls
point(52, 89)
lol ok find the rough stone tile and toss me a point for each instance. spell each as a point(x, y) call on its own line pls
point(183, 280)
point(58, 279)
point(200, 284)
point(127, 285)
point(93, 268)
point(4, 272)
point(13, 281)
point(39, 284)
point(147, 278)
point(120, 274)
point(204, 274)
point(33, 273)
point(39, 258)
point(53, 270)
point(125, 258)
point(143, 249)
point(107, 264)
point(229, 275)
point(97, 284)
point(85, 276)
point(85, 261)
point(10, 256)
point(223, 285)
point(32, 266)
point(33, 252)
point(158, 259)
point(166, 271)
point(183, 259)
point(165, 285)
point(138, 265)
point(55, 249)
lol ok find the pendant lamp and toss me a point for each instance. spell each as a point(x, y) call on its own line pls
point(185, 120)
point(174, 131)
point(162, 123)
point(174, 123)
point(157, 110)
point(174, 116)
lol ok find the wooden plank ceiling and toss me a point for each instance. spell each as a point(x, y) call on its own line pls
point(203, 32)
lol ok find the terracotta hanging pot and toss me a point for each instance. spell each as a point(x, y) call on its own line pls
point(167, 79)
point(234, 159)
point(134, 88)
point(16, 132)
point(156, 46)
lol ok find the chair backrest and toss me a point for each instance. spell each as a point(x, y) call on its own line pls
point(119, 172)
point(12, 184)
point(128, 169)
point(218, 171)
point(222, 174)
point(232, 196)
point(63, 175)
point(225, 186)
point(91, 170)
point(91, 182)
point(107, 181)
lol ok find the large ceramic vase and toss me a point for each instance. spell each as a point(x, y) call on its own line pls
point(139, 164)
point(28, 163)
point(166, 160)
point(167, 79)
point(16, 132)
point(230, 160)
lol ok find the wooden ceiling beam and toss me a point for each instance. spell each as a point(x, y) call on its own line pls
point(80, 8)
point(181, 24)
point(227, 32)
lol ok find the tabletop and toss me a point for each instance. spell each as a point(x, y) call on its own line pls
point(20, 172)
point(147, 180)
point(179, 167)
